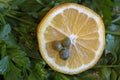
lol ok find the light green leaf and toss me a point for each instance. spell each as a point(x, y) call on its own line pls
point(10, 41)
point(6, 37)
point(119, 78)
point(113, 41)
point(5, 0)
point(4, 31)
point(113, 45)
point(40, 2)
point(4, 65)
point(4, 7)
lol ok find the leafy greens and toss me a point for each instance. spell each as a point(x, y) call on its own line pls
point(19, 55)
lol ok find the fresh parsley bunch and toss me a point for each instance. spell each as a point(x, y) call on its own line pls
point(19, 55)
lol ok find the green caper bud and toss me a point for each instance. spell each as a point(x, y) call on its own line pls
point(64, 54)
point(66, 42)
point(57, 45)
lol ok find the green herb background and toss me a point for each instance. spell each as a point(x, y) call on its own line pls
point(20, 58)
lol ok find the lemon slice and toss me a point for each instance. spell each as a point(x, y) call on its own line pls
point(82, 26)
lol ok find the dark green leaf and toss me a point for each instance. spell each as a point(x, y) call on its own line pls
point(105, 9)
point(65, 1)
point(32, 76)
point(43, 11)
point(13, 74)
point(60, 76)
point(19, 57)
point(89, 75)
point(26, 39)
point(18, 41)
point(15, 3)
point(40, 70)
point(4, 6)
point(106, 72)
point(117, 6)
point(107, 15)
point(4, 65)
point(3, 49)
point(2, 20)
point(30, 6)
point(113, 75)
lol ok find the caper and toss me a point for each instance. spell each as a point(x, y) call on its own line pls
point(64, 54)
point(57, 45)
point(66, 42)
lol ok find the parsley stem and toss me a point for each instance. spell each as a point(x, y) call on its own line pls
point(21, 20)
point(110, 66)
point(115, 20)
point(112, 32)
point(2, 19)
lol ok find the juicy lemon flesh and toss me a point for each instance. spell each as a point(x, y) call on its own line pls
point(83, 32)
point(83, 46)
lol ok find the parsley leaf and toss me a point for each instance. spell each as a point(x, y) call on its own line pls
point(4, 65)
point(19, 57)
point(4, 31)
point(13, 74)
point(38, 73)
